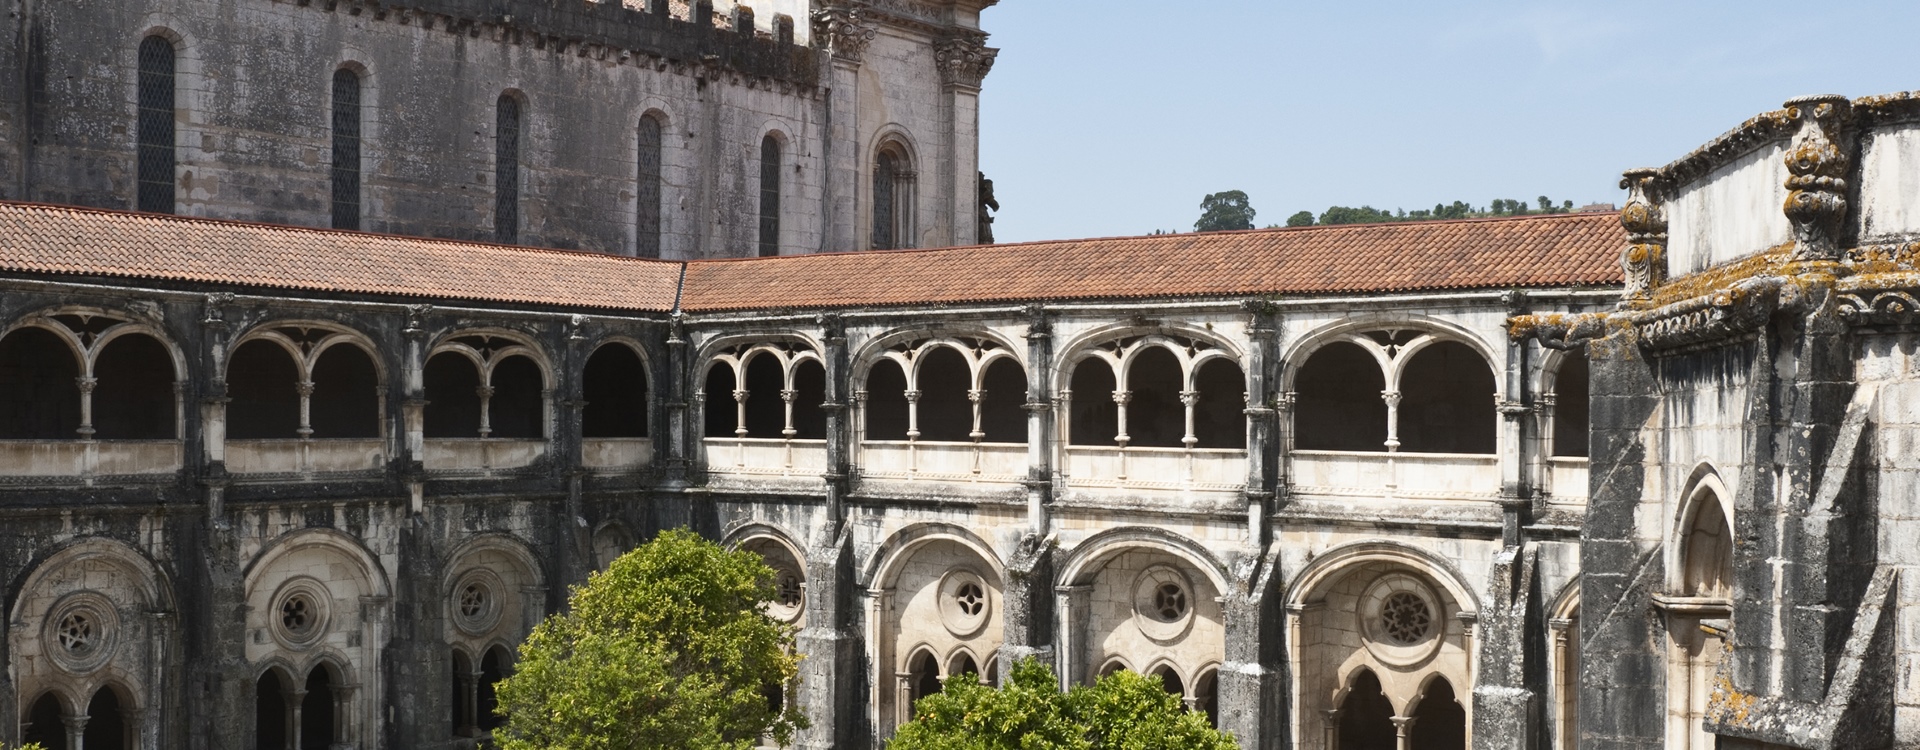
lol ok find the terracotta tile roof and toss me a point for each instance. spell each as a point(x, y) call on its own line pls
point(1543, 251)
point(44, 239)
point(1539, 251)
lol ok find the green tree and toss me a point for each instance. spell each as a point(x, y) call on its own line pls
point(1302, 219)
point(669, 648)
point(1224, 211)
point(1123, 711)
point(1348, 215)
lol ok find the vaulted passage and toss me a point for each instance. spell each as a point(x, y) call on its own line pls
point(263, 382)
point(1155, 416)
point(1570, 407)
point(517, 406)
point(346, 394)
point(1219, 409)
point(1003, 403)
point(1446, 401)
point(766, 410)
point(614, 384)
point(453, 396)
point(1439, 721)
point(1095, 418)
point(886, 409)
point(106, 724)
point(810, 391)
point(721, 410)
point(134, 398)
point(1366, 716)
point(39, 387)
point(44, 726)
point(1337, 403)
point(946, 412)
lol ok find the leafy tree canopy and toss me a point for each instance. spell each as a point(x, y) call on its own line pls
point(669, 648)
point(1302, 219)
point(1122, 711)
point(1224, 211)
point(1456, 210)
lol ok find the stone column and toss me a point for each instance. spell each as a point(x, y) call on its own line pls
point(1029, 616)
point(677, 396)
point(1403, 731)
point(1070, 644)
point(1511, 677)
point(1513, 447)
point(830, 672)
point(1042, 426)
point(1262, 430)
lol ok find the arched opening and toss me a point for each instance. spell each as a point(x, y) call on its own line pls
point(133, 398)
point(1366, 716)
point(39, 387)
point(648, 192)
point(1337, 404)
point(517, 408)
point(346, 394)
point(1094, 419)
point(493, 669)
point(44, 725)
point(1446, 401)
point(1439, 721)
point(993, 672)
point(154, 127)
point(453, 396)
point(106, 722)
point(963, 665)
point(270, 711)
point(1170, 680)
point(770, 161)
point(263, 381)
point(886, 407)
point(893, 198)
point(766, 409)
point(809, 393)
point(946, 413)
point(614, 383)
point(1206, 695)
point(506, 169)
point(460, 696)
point(1155, 416)
point(346, 149)
point(1570, 406)
point(721, 415)
point(316, 711)
point(1003, 403)
point(923, 674)
point(1708, 570)
point(1112, 666)
point(1219, 411)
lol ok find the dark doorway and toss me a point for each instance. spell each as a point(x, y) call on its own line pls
point(1446, 401)
point(1366, 716)
point(44, 725)
point(614, 384)
point(346, 394)
point(924, 676)
point(453, 396)
point(722, 412)
point(263, 382)
point(493, 669)
point(1337, 404)
point(766, 410)
point(1171, 681)
point(518, 406)
point(270, 713)
point(1439, 721)
point(134, 398)
point(886, 409)
point(461, 677)
point(946, 414)
point(316, 711)
point(1220, 413)
point(1095, 418)
point(39, 387)
point(1155, 416)
point(106, 722)
point(963, 665)
point(1003, 403)
point(809, 393)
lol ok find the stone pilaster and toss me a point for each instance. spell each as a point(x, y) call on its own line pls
point(1510, 691)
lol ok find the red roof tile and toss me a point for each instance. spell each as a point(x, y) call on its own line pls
point(1543, 251)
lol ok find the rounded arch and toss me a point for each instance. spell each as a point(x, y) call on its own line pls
point(91, 549)
point(750, 531)
point(656, 109)
point(733, 350)
point(476, 344)
point(980, 346)
point(615, 382)
point(611, 539)
point(1115, 663)
point(67, 701)
point(505, 543)
point(368, 566)
point(1086, 558)
point(886, 562)
point(1353, 329)
point(1702, 529)
point(1128, 341)
point(1330, 566)
point(896, 135)
point(134, 328)
point(307, 352)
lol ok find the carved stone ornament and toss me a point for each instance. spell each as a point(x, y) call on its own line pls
point(1645, 258)
point(842, 31)
point(1821, 157)
point(963, 61)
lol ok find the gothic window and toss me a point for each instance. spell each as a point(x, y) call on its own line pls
point(614, 384)
point(770, 159)
point(1570, 406)
point(1446, 401)
point(106, 727)
point(1707, 569)
point(1337, 404)
point(1439, 721)
point(317, 723)
point(1366, 716)
point(270, 713)
point(155, 126)
point(43, 725)
point(648, 193)
point(346, 149)
point(506, 169)
point(1170, 680)
point(893, 199)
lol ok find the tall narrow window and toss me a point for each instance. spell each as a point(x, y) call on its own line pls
point(346, 150)
point(155, 126)
point(506, 171)
point(646, 230)
point(769, 196)
point(883, 169)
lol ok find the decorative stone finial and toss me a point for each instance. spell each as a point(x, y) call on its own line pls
point(1645, 219)
point(842, 31)
point(1821, 157)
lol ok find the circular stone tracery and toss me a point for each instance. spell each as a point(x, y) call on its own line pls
point(965, 602)
point(1405, 618)
point(299, 613)
point(476, 601)
point(1402, 619)
point(1163, 603)
point(81, 631)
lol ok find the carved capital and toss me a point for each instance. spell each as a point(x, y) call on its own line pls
point(415, 316)
point(963, 60)
point(1645, 218)
point(842, 31)
point(1818, 163)
point(216, 310)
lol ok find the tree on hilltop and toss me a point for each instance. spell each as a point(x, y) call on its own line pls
point(1226, 211)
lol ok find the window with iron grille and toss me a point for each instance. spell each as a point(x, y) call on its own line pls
point(346, 150)
point(769, 196)
point(883, 170)
point(506, 170)
point(647, 223)
point(155, 125)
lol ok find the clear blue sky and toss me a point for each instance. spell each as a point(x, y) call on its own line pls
point(1114, 117)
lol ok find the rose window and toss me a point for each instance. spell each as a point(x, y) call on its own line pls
point(1405, 618)
point(473, 601)
point(76, 633)
point(970, 598)
point(787, 590)
point(1170, 602)
point(296, 615)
